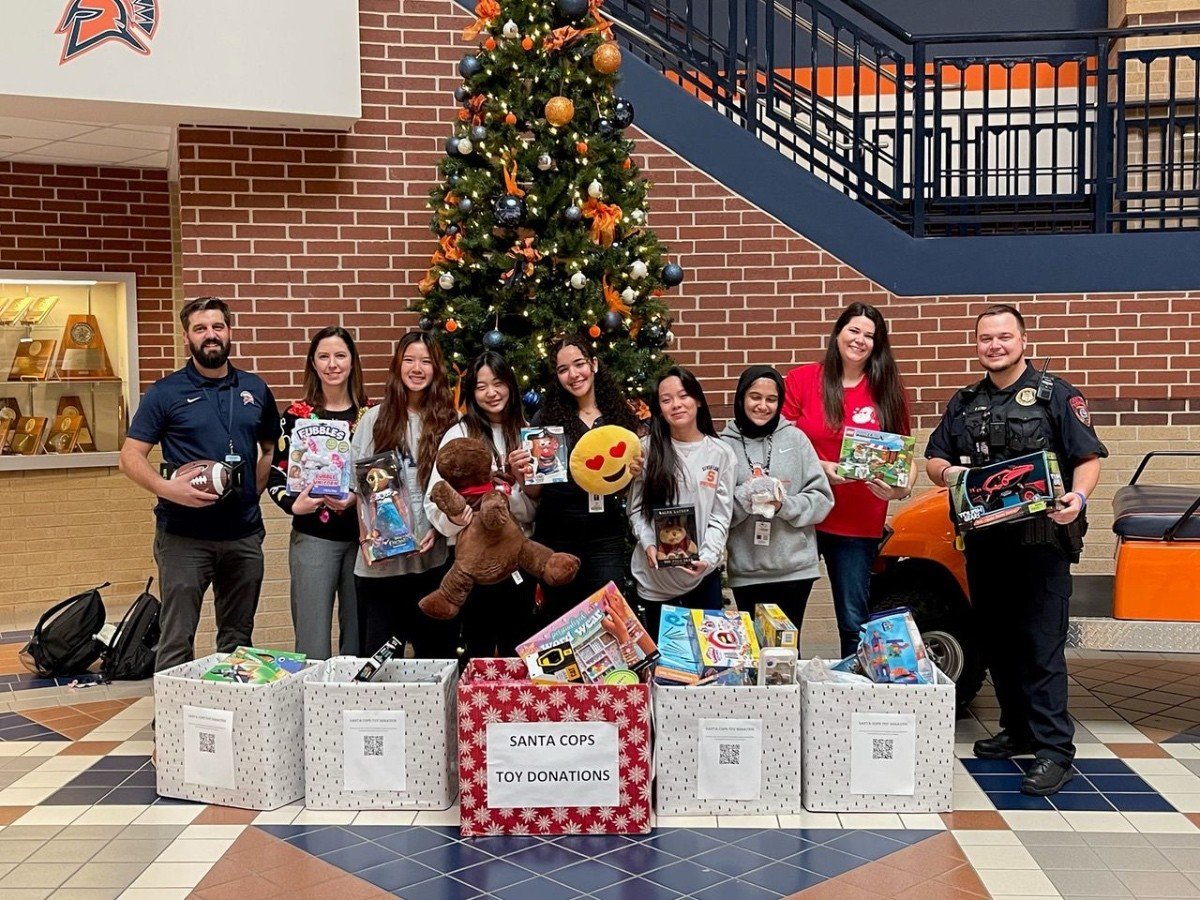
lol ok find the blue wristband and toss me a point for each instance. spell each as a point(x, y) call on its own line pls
point(1082, 498)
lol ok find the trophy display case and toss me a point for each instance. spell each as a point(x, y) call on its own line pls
point(67, 364)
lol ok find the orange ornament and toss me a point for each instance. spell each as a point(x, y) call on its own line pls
point(510, 119)
point(626, 163)
point(451, 325)
point(489, 44)
point(594, 331)
point(527, 44)
point(581, 148)
point(463, 115)
point(607, 58)
point(559, 111)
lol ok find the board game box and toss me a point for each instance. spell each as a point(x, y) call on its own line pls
point(250, 665)
point(320, 458)
point(867, 455)
point(548, 447)
point(1006, 491)
point(679, 654)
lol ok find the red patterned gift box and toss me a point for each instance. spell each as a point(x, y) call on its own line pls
point(521, 743)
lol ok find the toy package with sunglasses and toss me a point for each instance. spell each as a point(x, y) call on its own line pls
point(384, 511)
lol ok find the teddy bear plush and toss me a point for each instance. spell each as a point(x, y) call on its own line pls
point(492, 546)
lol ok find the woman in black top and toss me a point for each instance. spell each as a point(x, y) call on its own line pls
point(568, 519)
point(324, 539)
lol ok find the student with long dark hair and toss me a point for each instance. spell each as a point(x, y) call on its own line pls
point(857, 385)
point(417, 409)
point(323, 545)
point(686, 465)
point(495, 617)
point(583, 396)
point(781, 494)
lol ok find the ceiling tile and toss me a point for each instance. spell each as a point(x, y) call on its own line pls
point(136, 140)
point(38, 128)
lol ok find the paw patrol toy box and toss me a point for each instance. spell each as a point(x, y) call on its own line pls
point(1006, 491)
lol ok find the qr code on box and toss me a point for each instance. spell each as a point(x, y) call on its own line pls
point(882, 748)
point(208, 742)
point(729, 754)
point(372, 745)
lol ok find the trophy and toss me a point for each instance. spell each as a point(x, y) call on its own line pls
point(64, 434)
point(10, 411)
point(71, 405)
point(14, 309)
point(27, 435)
point(32, 361)
point(81, 352)
point(38, 310)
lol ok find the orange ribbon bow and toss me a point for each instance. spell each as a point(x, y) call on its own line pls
point(605, 217)
point(612, 298)
point(524, 255)
point(425, 285)
point(485, 10)
point(510, 179)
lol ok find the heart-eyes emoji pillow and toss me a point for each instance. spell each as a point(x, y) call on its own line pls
point(601, 458)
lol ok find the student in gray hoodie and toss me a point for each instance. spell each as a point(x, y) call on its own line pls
point(781, 493)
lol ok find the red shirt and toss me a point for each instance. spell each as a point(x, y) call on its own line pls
point(856, 511)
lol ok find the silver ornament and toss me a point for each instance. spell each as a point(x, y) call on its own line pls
point(446, 281)
point(544, 162)
point(510, 30)
point(465, 146)
point(638, 270)
point(578, 280)
point(629, 295)
point(595, 189)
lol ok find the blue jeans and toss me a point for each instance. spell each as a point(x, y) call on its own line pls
point(849, 561)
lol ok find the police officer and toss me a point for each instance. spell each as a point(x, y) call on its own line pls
point(1019, 574)
point(206, 410)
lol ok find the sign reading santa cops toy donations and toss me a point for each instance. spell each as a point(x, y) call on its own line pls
point(537, 763)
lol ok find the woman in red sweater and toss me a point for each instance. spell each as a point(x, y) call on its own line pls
point(857, 385)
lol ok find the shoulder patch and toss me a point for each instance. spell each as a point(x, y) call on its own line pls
point(1079, 407)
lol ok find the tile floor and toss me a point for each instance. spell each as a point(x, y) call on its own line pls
point(79, 818)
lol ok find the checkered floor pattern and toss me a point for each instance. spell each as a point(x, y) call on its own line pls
point(79, 818)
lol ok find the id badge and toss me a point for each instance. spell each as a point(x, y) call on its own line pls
point(517, 579)
point(595, 503)
point(232, 460)
point(762, 533)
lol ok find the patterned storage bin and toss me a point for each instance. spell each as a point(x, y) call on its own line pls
point(230, 744)
point(878, 747)
point(680, 713)
point(528, 754)
point(398, 730)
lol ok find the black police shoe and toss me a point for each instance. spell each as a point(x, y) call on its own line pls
point(1003, 746)
point(1045, 777)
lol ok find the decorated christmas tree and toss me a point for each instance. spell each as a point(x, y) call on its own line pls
point(541, 215)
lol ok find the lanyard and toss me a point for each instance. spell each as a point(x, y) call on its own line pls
point(766, 466)
point(228, 426)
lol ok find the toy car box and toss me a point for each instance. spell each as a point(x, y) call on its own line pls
point(1006, 491)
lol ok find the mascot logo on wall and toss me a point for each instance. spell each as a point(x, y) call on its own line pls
point(89, 23)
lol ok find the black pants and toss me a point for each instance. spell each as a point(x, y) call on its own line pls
point(705, 595)
point(790, 596)
point(186, 569)
point(497, 617)
point(600, 562)
point(1020, 597)
point(387, 607)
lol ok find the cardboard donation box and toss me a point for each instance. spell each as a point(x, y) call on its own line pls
point(388, 743)
point(878, 747)
point(551, 759)
point(229, 743)
point(727, 750)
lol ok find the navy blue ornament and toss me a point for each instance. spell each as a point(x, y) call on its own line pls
point(672, 274)
point(622, 113)
point(573, 213)
point(469, 65)
point(532, 399)
point(493, 340)
point(653, 335)
point(425, 323)
point(465, 204)
point(478, 133)
point(612, 322)
point(572, 10)
point(452, 146)
point(455, 178)
point(509, 210)
point(461, 93)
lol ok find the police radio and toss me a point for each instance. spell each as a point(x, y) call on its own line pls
point(1045, 388)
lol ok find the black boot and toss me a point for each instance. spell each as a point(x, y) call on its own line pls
point(1045, 777)
point(1003, 746)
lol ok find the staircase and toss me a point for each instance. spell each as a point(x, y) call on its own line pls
point(948, 135)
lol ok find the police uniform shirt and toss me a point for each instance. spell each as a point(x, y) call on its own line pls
point(1062, 425)
point(192, 417)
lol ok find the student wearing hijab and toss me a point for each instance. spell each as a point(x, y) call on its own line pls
point(781, 494)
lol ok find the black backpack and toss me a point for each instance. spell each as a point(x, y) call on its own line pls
point(130, 653)
point(64, 641)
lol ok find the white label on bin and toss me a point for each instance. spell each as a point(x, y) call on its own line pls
point(373, 750)
point(729, 759)
point(552, 764)
point(208, 747)
point(883, 753)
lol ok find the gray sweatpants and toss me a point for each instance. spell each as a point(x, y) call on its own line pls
point(186, 568)
point(320, 570)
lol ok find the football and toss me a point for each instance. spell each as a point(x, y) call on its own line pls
point(209, 476)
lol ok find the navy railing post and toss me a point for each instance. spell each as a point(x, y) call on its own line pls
point(918, 140)
point(752, 90)
point(1102, 158)
point(731, 54)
